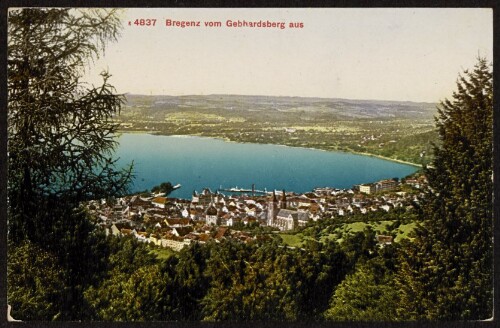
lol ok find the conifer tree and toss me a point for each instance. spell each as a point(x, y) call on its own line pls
point(60, 131)
point(446, 273)
point(60, 139)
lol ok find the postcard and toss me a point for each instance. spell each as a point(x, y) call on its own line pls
point(235, 164)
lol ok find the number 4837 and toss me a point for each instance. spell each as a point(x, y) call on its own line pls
point(145, 22)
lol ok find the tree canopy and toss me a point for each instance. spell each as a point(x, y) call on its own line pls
point(164, 187)
point(447, 271)
point(60, 142)
point(60, 132)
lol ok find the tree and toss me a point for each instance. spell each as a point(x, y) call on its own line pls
point(268, 282)
point(60, 132)
point(135, 288)
point(192, 281)
point(447, 272)
point(368, 294)
point(60, 138)
point(34, 281)
point(135, 297)
point(359, 246)
point(364, 296)
point(164, 187)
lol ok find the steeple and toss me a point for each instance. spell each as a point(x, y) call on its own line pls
point(272, 210)
point(212, 210)
point(212, 214)
point(283, 200)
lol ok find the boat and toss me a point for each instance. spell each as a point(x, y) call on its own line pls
point(242, 190)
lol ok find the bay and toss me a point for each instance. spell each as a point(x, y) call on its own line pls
point(199, 162)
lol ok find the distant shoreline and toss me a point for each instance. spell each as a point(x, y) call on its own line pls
point(228, 140)
point(389, 159)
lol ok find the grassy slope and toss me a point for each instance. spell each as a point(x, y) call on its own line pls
point(297, 239)
point(162, 253)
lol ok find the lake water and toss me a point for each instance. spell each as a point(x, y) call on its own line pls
point(196, 163)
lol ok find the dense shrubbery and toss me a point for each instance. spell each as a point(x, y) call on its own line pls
point(224, 281)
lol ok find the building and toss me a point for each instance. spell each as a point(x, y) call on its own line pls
point(382, 185)
point(174, 242)
point(367, 188)
point(283, 202)
point(211, 215)
point(384, 240)
point(272, 210)
point(388, 184)
point(279, 216)
point(289, 220)
point(159, 202)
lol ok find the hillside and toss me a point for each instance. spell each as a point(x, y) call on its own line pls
point(393, 129)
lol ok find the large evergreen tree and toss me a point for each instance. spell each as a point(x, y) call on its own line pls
point(60, 132)
point(60, 139)
point(447, 271)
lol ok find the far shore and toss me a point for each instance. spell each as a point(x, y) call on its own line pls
point(229, 140)
point(389, 159)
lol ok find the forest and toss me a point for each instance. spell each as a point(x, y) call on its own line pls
point(62, 267)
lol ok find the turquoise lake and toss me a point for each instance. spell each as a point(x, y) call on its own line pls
point(196, 163)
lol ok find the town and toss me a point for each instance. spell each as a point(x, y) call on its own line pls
point(212, 215)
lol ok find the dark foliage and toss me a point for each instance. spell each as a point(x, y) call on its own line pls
point(447, 272)
point(164, 187)
point(60, 140)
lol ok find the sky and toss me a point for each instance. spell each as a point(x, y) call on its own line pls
point(380, 54)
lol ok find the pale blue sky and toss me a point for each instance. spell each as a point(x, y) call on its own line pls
point(387, 54)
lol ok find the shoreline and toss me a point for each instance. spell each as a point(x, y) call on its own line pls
point(225, 139)
point(389, 159)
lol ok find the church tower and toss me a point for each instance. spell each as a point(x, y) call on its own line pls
point(211, 215)
point(283, 200)
point(272, 210)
